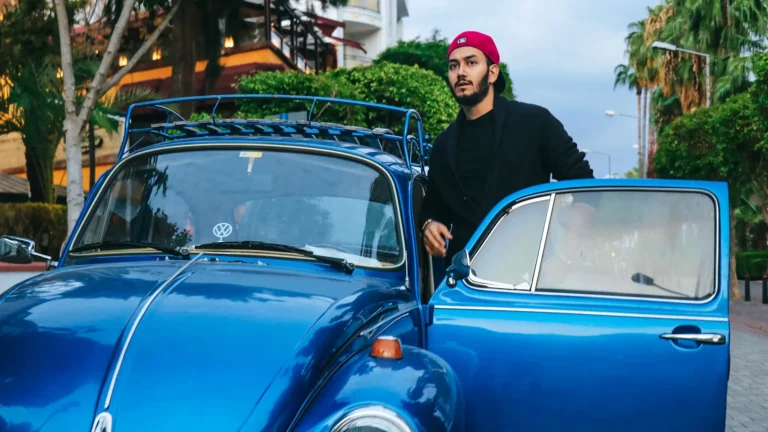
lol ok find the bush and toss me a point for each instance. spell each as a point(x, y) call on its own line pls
point(297, 84)
point(46, 224)
point(385, 83)
point(402, 86)
point(754, 263)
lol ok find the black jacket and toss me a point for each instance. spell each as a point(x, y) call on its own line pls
point(530, 146)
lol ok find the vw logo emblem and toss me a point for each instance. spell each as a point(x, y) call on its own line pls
point(222, 230)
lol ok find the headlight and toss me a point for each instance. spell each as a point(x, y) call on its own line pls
point(372, 419)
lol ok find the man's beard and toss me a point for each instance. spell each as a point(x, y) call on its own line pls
point(472, 99)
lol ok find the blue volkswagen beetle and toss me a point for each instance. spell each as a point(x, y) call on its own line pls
point(266, 275)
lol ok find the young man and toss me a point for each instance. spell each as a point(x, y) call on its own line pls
point(494, 147)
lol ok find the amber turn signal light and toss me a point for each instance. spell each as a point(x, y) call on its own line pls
point(387, 347)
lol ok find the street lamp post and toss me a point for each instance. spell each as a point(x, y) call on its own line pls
point(610, 171)
point(670, 47)
point(640, 154)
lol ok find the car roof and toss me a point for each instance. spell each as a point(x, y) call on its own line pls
point(393, 164)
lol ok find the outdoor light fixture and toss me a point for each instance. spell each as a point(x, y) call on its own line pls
point(157, 54)
point(670, 47)
point(122, 61)
point(229, 42)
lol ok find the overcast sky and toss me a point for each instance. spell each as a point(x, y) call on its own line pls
point(561, 55)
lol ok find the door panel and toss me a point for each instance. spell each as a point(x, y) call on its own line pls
point(623, 325)
point(532, 371)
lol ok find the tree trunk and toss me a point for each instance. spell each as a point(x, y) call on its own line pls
point(735, 293)
point(75, 196)
point(640, 169)
point(40, 156)
point(185, 29)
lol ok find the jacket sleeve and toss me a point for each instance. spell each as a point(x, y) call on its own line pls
point(560, 154)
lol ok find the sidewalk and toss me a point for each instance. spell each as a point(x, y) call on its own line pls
point(750, 316)
point(748, 384)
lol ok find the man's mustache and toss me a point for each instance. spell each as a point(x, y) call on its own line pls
point(462, 83)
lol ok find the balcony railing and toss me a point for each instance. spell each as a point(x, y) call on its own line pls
point(371, 5)
point(283, 45)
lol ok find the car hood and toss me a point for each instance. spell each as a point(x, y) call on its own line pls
point(219, 344)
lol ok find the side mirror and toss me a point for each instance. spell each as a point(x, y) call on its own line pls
point(459, 269)
point(19, 250)
point(13, 252)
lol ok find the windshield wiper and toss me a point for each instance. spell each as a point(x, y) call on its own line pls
point(339, 263)
point(121, 244)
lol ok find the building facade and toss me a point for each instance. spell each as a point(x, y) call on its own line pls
point(364, 28)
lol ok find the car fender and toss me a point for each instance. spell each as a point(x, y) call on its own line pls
point(420, 387)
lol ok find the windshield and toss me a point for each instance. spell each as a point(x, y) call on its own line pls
point(325, 204)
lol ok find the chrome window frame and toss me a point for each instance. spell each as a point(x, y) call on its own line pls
point(473, 282)
point(181, 147)
point(476, 280)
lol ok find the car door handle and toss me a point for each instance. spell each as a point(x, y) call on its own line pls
point(705, 338)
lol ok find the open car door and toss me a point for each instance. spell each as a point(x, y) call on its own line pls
point(594, 305)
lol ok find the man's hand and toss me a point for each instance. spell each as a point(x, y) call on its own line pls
point(435, 235)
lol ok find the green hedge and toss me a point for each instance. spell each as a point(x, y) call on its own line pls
point(46, 224)
point(753, 262)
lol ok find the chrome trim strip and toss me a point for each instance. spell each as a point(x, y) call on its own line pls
point(102, 423)
point(543, 242)
point(136, 324)
point(580, 312)
point(500, 285)
point(718, 261)
point(283, 146)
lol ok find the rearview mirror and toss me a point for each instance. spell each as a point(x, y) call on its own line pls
point(459, 269)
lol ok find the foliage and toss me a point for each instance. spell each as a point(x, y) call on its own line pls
point(385, 83)
point(46, 224)
point(721, 143)
point(633, 173)
point(430, 54)
point(32, 89)
point(296, 84)
point(730, 31)
point(754, 263)
point(33, 105)
point(404, 86)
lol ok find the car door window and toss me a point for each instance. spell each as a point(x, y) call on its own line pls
point(507, 258)
point(659, 244)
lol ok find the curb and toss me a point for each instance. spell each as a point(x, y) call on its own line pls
point(33, 267)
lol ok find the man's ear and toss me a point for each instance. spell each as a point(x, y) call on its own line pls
point(493, 74)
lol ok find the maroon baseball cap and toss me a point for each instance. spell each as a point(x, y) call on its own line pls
point(486, 45)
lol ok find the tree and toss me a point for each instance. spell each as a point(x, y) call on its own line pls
point(77, 114)
point(430, 54)
point(30, 104)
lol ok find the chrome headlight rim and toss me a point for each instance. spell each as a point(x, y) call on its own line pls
point(374, 412)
